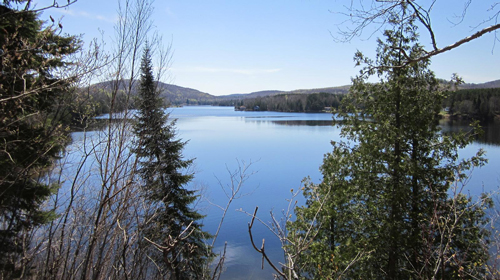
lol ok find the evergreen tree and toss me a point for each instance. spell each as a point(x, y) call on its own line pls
point(173, 224)
point(30, 129)
point(383, 209)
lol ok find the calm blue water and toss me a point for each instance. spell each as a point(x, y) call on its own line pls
point(283, 148)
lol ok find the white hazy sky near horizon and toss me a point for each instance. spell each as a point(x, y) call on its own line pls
point(224, 47)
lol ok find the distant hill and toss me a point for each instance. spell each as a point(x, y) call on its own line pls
point(492, 84)
point(250, 95)
point(336, 90)
point(239, 96)
point(176, 95)
point(183, 95)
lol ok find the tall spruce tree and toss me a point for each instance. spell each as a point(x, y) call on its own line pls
point(172, 224)
point(31, 55)
point(383, 209)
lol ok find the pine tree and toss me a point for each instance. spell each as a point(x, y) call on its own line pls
point(30, 127)
point(173, 224)
point(386, 189)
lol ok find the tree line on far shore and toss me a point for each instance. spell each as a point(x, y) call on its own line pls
point(306, 103)
point(481, 104)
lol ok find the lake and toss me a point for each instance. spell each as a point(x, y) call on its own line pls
point(283, 149)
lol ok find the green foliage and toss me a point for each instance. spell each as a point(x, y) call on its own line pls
point(30, 127)
point(383, 209)
point(99, 100)
point(314, 102)
point(172, 224)
point(480, 104)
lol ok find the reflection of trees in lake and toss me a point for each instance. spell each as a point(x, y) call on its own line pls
point(305, 122)
point(490, 135)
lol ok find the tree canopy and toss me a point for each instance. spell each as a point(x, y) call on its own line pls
point(173, 226)
point(30, 89)
point(386, 207)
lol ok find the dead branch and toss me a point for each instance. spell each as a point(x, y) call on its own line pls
point(220, 265)
point(262, 250)
point(232, 191)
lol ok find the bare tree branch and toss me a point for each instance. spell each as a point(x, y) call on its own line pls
point(262, 250)
point(379, 13)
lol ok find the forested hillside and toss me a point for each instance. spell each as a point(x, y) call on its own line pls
point(490, 84)
point(95, 99)
point(172, 94)
point(480, 104)
point(476, 103)
point(316, 102)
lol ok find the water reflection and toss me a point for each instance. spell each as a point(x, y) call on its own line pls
point(286, 148)
point(305, 123)
point(490, 135)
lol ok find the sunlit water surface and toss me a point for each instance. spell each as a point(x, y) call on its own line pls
point(283, 149)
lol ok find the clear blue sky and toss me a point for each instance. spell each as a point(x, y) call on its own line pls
point(231, 46)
